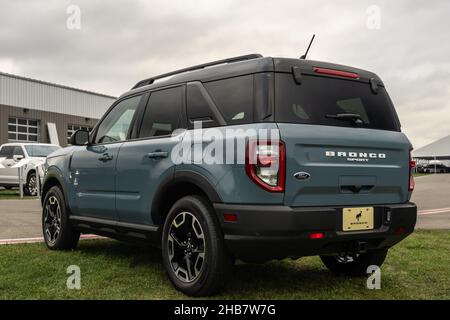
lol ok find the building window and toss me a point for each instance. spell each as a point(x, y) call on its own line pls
point(71, 128)
point(26, 130)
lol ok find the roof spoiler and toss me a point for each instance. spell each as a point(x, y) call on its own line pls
point(197, 67)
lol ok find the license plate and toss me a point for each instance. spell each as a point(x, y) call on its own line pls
point(357, 219)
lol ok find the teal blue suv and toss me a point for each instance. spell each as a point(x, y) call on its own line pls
point(251, 158)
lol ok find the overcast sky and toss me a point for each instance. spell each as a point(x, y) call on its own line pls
point(407, 43)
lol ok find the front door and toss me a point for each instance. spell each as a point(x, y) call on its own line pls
point(93, 167)
point(10, 155)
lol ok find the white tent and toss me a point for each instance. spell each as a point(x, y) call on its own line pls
point(437, 150)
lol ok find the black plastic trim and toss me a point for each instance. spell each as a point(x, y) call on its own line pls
point(181, 176)
point(265, 232)
point(117, 229)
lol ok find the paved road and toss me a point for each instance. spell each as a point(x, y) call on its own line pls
point(433, 192)
point(22, 218)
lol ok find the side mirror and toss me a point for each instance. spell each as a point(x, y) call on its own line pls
point(17, 158)
point(79, 138)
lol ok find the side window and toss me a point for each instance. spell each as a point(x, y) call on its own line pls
point(234, 98)
point(18, 151)
point(198, 108)
point(116, 124)
point(163, 113)
point(7, 152)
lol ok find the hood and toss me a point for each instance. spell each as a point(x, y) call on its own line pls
point(62, 152)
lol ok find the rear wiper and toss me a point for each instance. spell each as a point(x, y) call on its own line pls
point(354, 117)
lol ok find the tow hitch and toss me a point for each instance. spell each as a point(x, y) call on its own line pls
point(356, 247)
point(361, 247)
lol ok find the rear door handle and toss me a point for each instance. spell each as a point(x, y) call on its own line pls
point(158, 155)
point(106, 157)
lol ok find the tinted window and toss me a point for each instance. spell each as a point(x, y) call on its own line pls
point(234, 98)
point(7, 152)
point(116, 124)
point(319, 97)
point(198, 107)
point(163, 113)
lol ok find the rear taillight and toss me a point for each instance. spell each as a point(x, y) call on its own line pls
point(412, 165)
point(265, 164)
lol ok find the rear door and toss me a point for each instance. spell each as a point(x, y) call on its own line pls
point(331, 161)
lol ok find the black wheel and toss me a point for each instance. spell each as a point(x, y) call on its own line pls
point(194, 254)
point(30, 188)
point(354, 265)
point(8, 188)
point(58, 233)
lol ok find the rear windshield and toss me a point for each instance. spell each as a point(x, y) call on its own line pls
point(320, 100)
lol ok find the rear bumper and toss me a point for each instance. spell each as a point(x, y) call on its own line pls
point(263, 233)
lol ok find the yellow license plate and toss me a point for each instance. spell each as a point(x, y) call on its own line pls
point(357, 219)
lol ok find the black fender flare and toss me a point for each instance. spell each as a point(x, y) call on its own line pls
point(53, 173)
point(182, 176)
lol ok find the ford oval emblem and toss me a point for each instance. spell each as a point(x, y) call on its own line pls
point(302, 175)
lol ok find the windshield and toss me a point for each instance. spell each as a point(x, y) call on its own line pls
point(333, 102)
point(40, 150)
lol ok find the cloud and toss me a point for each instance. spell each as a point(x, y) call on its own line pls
point(121, 42)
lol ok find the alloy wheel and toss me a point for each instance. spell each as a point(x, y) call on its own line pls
point(32, 185)
point(52, 219)
point(186, 247)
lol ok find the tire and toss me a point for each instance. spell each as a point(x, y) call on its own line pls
point(354, 265)
point(192, 232)
point(67, 237)
point(30, 188)
point(8, 188)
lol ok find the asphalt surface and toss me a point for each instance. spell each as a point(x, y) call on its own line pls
point(22, 218)
point(433, 192)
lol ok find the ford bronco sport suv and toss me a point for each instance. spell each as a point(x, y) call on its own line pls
point(336, 182)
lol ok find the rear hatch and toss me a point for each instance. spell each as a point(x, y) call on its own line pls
point(343, 141)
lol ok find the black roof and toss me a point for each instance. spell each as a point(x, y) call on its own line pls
point(242, 65)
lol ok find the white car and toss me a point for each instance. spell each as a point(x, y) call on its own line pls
point(12, 153)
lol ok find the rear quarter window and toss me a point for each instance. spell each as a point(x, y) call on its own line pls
point(234, 98)
point(316, 97)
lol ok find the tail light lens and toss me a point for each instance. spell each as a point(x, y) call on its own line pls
point(338, 73)
point(412, 165)
point(265, 164)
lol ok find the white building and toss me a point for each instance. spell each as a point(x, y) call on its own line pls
point(38, 111)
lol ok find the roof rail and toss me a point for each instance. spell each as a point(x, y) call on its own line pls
point(197, 67)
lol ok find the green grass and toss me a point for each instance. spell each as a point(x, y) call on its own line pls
point(417, 174)
point(12, 194)
point(417, 268)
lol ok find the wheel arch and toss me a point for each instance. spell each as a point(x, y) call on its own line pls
point(51, 179)
point(30, 172)
point(183, 183)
